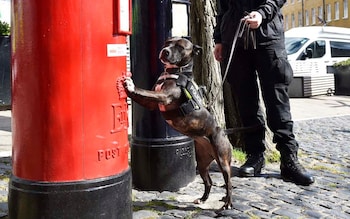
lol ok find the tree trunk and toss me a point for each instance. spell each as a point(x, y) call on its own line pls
point(206, 68)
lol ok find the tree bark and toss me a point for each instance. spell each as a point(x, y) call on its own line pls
point(206, 68)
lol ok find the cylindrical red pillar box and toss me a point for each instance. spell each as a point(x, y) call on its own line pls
point(69, 123)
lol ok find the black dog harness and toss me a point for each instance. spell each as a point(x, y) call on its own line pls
point(194, 99)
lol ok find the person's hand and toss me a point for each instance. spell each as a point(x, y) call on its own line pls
point(218, 52)
point(254, 19)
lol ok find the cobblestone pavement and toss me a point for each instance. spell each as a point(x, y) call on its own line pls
point(5, 160)
point(5, 172)
point(324, 151)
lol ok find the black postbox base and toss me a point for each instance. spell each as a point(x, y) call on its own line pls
point(103, 198)
point(162, 164)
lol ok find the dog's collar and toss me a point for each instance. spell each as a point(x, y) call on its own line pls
point(186, 68)
point(166, 76)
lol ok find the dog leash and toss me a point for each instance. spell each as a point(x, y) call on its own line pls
point(242, 27)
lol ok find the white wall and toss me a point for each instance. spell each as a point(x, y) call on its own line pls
point(5, 11)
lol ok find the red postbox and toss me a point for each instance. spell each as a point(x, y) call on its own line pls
point(69, 123)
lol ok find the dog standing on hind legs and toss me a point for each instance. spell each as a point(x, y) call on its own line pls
point(176, 95)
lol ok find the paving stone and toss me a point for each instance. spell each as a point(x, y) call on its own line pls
point(337, 214)
point(241, 207)
point(165, 217)
point(204, 214)
point(231, 214)
point(177, 213)
point(288, 213)
point(314, 214)
point(255, 213)
point(201, 217)
point(143, 214)
point(262, 206)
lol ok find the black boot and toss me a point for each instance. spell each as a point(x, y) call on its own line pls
point(293, 171)
point(253, 165)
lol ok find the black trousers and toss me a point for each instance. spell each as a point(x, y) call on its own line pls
point(270, 65)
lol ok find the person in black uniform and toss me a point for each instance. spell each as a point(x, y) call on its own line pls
point(260, 52)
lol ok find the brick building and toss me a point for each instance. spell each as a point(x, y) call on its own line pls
point(315, 13)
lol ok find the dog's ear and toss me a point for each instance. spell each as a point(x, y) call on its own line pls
point(196, 49)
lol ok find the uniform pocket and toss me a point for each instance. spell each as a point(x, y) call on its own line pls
point(282, 68)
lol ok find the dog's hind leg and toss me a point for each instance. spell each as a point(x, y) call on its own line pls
point(203, 159)
point(223, 158)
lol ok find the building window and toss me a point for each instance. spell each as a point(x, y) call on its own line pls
point(336, 11)
point(286, 25)
point(320, 14)
point(293, 21)
point(329, 12)
point(307, 18)
point(313, 16)
point(300, 19)
point(346, 9)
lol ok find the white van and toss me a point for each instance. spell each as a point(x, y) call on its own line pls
point(323, 44)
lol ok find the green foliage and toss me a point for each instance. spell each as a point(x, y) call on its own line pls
point(4, 28)
point(272, 157)
point(342, 63)
point(239, 155)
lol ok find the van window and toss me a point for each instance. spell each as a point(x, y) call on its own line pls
point(293, 44)
point(316, 49)
point(340, 49)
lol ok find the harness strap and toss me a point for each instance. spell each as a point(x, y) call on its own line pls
point(194, 98)
point(191, 90)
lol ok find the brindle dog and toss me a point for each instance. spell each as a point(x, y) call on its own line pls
point(193, 120)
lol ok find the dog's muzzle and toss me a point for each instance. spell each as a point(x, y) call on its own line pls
point(165, 54)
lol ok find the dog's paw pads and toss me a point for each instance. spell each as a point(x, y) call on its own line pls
point(226, 207)
point(129, 84)
point(197, 201)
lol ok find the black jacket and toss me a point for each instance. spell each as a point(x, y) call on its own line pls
point(231, 11)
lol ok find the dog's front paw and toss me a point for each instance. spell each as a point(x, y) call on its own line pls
point(199, 201)
point(129, 84)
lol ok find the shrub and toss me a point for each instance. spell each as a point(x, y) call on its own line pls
point(4, 28)
point(342, 63)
